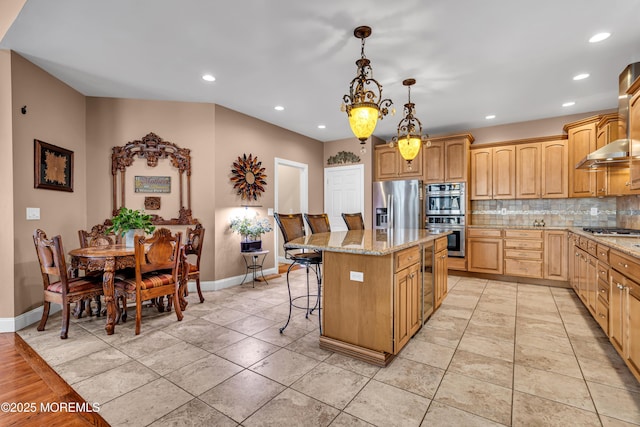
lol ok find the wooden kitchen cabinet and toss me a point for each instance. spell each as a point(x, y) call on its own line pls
point(606, 131)
point(407, 304)
point(481, 174)
point(446, 159)
point(555, 169)
point(389, 164)
point(528, 169)
point(556, 255)
point(582, 141)
point(493, 173)
point(440, 271)
point(523, 253)
point(634, 133)
point(485, 250)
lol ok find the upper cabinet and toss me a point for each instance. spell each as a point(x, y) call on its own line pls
point(634, 133)
point(582, 141)
point(446, 159)
point(389, 164)
point(528, 168)
point(493, 173)
point(554, 176)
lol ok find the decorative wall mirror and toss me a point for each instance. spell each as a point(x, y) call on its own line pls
point(143, 180)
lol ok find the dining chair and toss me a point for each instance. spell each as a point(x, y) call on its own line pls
point(65, 290)
point(354, 221)
point(193, 246)
point(318, 223)
point(292, 227)
point(157, 259)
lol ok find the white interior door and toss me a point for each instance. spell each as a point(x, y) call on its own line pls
point(291, 194)
point(343, 192)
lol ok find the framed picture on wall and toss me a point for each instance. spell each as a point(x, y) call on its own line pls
point(53, 167)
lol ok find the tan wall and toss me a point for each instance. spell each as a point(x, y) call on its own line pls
point(55, 114)
point(6, 176)
point(9, 10)
point(237, 134)
point(352, 145)
point(114, 122)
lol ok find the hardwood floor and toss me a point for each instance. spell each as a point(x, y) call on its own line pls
point(26, 380)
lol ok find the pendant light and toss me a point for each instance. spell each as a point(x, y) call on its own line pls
point(409, 138)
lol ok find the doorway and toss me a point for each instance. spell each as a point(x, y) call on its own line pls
point(343, 192)
point(290, 194)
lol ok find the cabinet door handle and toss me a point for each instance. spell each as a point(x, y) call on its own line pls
point(623, 265)
point(601, 315)
point(619, 286)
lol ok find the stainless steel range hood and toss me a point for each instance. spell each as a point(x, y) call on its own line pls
point(616, 153)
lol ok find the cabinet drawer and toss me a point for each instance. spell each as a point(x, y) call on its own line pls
point(520, 254)
point(602, 314)
point(407, 257)
point(592, 247)
point(603, 290)
point(441, 244)
point(624, 264)
point(603, 253)
point(484, 232)
point(523, 244)
point(513, 267)
point(523, 234)
point(603, 272)
point(582, 242)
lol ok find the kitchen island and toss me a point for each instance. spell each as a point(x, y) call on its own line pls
point(375, 296)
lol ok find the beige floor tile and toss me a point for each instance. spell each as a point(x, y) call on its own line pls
point(595, 349)
point(611, 372)
point(460, 300)
point(284, 366)
point(613, 422)
point(221, 315)
point(487, 346)
point(273, 335)
point(448, 323)
point(111, 384)
point(241, 395)
point(430, 354)
point(483, 368)
point(415, 377)
point(194, 413)
point(145, 404)
point(560, 363)
point(92, 364)
point(291, 408)
point(138, 346)
point(174, 357)
point(206, 335)
point(615, 402)
point(553, 386)
point(544, 342)
point(531, 410)
point(478, 397)
point(331, 385)
point(439, 336)
point(508, 308)
point(492, 324)
point(309, 345)
point(203, 374)
point(441, 415)
point(382, 404)
point(534, 312)
point(247, 351)
point(354, 365)
point(540, 327)
point(347, 420)
point(60, 351)
point(250, 325)
point(453, 311)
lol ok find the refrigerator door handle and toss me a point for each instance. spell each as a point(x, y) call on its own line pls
point(391, 222)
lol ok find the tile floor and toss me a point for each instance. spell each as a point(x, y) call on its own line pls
point(496, 353)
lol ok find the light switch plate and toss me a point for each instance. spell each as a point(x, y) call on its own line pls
point(594, 211)
point(33, 213)
point(356, 276)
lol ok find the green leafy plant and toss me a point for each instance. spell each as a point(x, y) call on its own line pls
point(252, 228)
point(130, 219)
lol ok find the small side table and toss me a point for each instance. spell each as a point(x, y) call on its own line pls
point(254, 260)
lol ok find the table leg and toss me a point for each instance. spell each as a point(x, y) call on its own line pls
point(109, 298)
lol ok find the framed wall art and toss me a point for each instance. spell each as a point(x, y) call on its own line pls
point(53, 167)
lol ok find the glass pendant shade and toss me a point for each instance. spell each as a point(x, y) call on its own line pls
point(363, 121)
point(409, 147)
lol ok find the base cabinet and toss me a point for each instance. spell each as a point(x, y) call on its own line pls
point(485, 252)
point(440, 271)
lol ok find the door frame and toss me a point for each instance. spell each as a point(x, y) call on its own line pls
point(304, 196)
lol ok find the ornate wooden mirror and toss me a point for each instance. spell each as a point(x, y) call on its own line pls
point(155, 150)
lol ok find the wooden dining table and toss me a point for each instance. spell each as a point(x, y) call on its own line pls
point(109, 259)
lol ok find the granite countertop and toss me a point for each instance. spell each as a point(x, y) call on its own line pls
point(365, 242)
point(518, 227)
point(627, 245)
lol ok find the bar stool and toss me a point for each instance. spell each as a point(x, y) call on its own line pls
point(292, 227)
point(354, 221)
point(318, 223)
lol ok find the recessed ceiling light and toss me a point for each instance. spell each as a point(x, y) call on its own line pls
point(599, 37)
point(208, 78)
point(278, 108)
point(568, 104)
point(581, 76)
point(322, 127)
point(490, 116)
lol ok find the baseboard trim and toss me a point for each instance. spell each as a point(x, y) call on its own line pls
point(13, 324)
point(216, 285)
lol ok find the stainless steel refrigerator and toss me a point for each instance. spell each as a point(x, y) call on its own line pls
point(397, 204)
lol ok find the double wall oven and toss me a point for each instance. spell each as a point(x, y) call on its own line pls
point(445, 211)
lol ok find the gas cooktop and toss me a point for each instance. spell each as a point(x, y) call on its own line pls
point(612, 231)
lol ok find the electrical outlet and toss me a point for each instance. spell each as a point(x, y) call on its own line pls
point(356, 276)
point(33, 214)
point(503, 211)
point(594, 211)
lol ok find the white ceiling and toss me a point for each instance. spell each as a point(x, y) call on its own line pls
point(471, 58)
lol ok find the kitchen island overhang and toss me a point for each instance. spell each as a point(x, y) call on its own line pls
point(373, 288)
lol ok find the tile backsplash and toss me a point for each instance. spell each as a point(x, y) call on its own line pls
point(554, 212)
point(629, 212)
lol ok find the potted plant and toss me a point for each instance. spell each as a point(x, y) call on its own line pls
point(128, 221)
point(251, 230)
